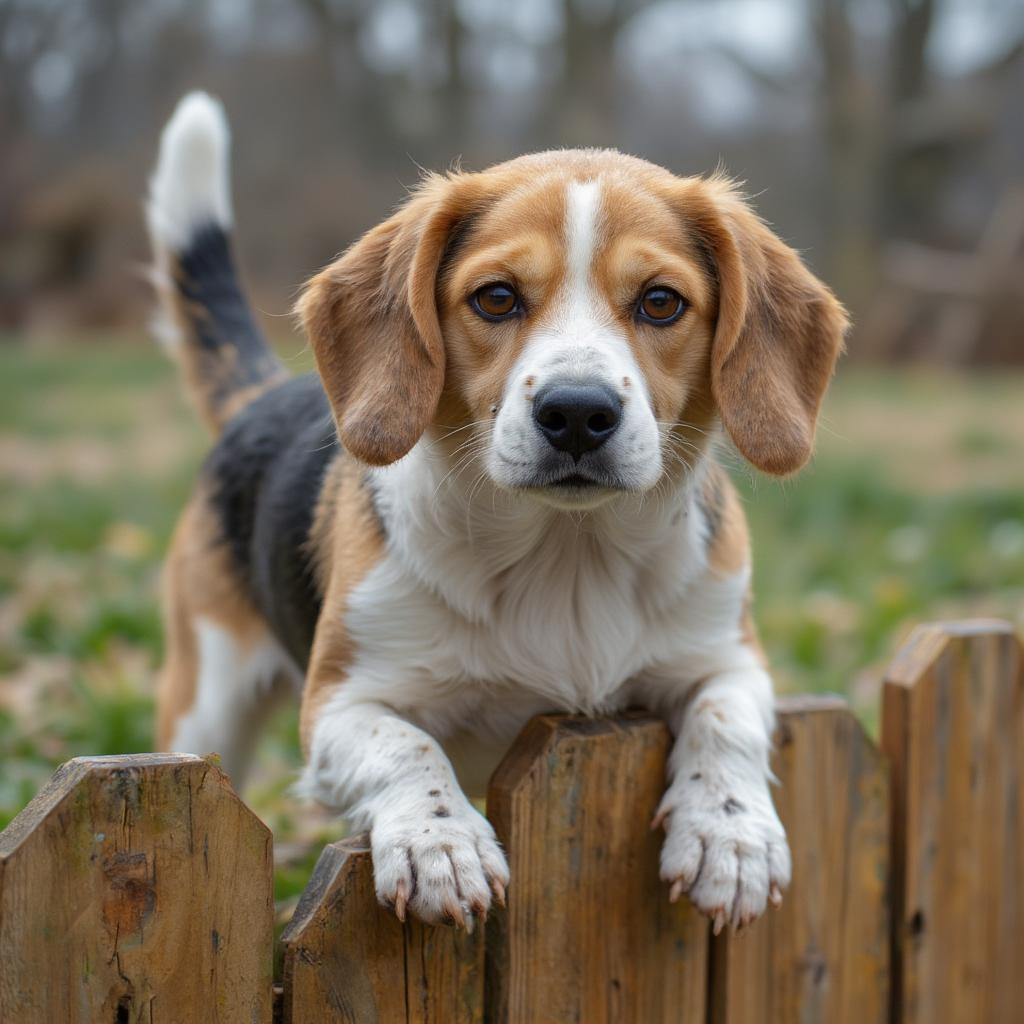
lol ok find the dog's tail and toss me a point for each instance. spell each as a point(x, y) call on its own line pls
point(203, 319)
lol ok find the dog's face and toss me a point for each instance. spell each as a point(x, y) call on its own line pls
point(577, 317)
point(583, 316)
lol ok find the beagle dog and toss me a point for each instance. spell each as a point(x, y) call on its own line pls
point(498, 497)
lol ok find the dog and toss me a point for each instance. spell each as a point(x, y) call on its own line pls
point(498, 497)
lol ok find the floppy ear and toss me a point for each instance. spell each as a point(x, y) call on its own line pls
point(372, 319)
point(778, 335)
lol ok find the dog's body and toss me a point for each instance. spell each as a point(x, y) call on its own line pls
point(499, 501)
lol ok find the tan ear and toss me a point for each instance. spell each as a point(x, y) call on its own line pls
point(778, 335)
point(372, 319)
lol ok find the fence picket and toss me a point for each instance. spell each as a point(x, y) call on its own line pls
point(823, 957)
point(120, 898)
point(349, 959)
point(953, 729)
point(589, 934)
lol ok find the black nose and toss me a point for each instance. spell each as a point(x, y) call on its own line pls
point(577, 418)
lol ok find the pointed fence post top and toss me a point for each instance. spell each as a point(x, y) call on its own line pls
point(953, 730)
point(589, 933)
point(121, 890)
point(928, 642)
point(345, 951)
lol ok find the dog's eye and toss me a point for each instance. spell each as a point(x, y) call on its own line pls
point(661, 306)
point(495, 301)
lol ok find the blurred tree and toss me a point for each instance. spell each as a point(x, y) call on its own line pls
point(872, 121)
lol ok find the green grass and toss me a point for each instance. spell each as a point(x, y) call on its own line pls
point(913, 510)
point(846, 562)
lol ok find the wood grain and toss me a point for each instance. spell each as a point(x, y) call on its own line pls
point(953, 729)
point(589, 934)
point(136, 890)
point(348, 959)
point(823, 957)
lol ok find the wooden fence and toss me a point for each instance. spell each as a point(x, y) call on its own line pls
point(138, 889)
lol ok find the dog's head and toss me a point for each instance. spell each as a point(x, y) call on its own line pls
point(586, 316)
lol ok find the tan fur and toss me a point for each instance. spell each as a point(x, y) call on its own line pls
point(779, 330)
point(357, 545)
point(748, 630)
point(240, 399)
point(729, 550)
point(320, 543)
point(729, 544)
point(372, 320)
point(643, 242)
point(199, 581)
point(209, 373)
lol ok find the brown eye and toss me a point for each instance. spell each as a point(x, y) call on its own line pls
point(495, 301)
point(661, 306)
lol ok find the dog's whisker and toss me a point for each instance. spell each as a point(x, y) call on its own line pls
point(451, 432)
point(457, 469)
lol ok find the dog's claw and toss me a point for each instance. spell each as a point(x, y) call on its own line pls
point(677, 890)
point(499, 892)
point(775, 895)
point(453, 915)
point(720, 920)
point(401, 900)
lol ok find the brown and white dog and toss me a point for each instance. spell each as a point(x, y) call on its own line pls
point(499, 498)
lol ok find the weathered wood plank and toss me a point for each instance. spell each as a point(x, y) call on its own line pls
point(589, 934)
point(348, 959)
point(823, 957)
point(953, 730)
point(135, 890)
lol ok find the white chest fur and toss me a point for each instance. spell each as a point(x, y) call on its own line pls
point(489, 608)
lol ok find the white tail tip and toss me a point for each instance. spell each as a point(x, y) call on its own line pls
point(189, 187)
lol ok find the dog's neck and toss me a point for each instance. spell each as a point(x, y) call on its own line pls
point(471, 541)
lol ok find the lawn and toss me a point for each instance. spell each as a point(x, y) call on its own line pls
point(913, 510)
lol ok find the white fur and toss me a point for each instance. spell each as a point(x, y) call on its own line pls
point(583, 206)
point(491, 606)
point(431, 848)
point(190, 187)
point(578, 342)
point(234, 691)
point(724, 843)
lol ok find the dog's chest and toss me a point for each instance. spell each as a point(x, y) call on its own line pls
point(565, 626)
point(572, 626)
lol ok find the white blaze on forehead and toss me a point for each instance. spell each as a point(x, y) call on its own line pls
point(582, 204)
point(578, 341)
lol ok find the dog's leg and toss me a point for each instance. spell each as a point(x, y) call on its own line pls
point(239, 683)
point(223, 673)
point(433, 852)
point(724, 844)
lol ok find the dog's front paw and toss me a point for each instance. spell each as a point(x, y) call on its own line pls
point(443, 863)
point(729, 854)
